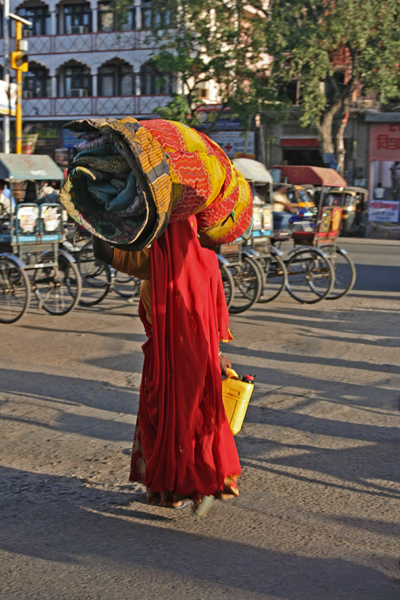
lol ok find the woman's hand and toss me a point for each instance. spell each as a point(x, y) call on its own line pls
point(225, 364)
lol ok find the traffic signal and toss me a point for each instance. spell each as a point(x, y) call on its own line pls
point(19, 61)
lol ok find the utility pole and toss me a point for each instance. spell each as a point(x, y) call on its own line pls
point(6, 38)
point(19, 62)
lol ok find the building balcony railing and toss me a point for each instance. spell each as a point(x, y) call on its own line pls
point(83, 42)
point(98, 106)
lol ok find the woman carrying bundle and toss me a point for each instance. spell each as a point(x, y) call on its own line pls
point(183, 447)
point(147, 190)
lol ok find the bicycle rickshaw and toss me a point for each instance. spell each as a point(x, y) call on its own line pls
point(30, 235)
point(319, 232)
point(258, 246)
point(309, 269)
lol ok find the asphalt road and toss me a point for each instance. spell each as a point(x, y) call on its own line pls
point(318, 512)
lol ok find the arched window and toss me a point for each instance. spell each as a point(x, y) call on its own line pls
point(39, 15)
point(115, 78)
point(154, 83)
point(75, 80)
point(37, 82)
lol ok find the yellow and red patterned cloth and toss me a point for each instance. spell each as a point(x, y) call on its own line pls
point(178, 171)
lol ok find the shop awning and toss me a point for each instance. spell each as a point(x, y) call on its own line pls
point(252, 170)
point(29, 167)
point(302, 175)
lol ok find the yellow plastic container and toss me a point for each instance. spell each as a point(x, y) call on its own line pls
point(236, 395)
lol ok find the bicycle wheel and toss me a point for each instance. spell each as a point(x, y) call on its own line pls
point(248, 280)
point(97, 277)
point(310, 276)
point(126, 286)
point(57, 287)
point(275, 275)
point(345, 272)
point(15, 290)
point(228, 283)
point(80, 237)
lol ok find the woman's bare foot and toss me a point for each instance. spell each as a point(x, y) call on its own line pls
point(177, 504)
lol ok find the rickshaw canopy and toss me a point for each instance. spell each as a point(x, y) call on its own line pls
point(252, 170)
point(319, 176)
point(29, 167)
point(358, 190)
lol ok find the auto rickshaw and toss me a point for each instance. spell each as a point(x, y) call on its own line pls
point(31, 259)
point(354, 201)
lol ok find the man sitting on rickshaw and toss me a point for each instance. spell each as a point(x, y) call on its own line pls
point(283, 209)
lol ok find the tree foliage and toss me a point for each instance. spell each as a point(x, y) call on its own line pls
point(335, 48)
point(120, 8)
point(218, 41)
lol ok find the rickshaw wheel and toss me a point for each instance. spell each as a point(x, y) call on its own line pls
point(345, 272)
point(310, 276)
point(228, 283)
point(97, 277)
point(15, 290)
point(275, 277)
point(248, 279)
point(126, 286)
point(57, 288)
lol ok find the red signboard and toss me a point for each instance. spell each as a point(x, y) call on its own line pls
point(299, 142)
point(385, 141)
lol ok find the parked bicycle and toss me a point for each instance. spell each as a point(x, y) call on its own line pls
point(99, 279)
point(31, 261)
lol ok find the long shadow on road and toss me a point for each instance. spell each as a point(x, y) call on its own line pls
point(71, 526)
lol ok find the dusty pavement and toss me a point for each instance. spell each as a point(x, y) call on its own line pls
point(318, 514)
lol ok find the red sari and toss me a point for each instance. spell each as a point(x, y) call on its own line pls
point(183, 444)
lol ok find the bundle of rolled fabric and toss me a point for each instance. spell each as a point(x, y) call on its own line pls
point(130, 179)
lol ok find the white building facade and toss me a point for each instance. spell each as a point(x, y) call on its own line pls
point(83, 63)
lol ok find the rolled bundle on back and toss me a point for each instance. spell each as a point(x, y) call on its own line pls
point(131, 178)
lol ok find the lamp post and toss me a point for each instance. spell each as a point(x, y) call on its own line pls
point(19, 62)
point(6, 37)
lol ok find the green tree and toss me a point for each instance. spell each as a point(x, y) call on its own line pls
point(335, 48)
point(120, 8)
point(215, 41)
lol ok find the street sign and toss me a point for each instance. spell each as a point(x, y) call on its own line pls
point(70, 139)
point(233, 142)
point(8, 96)
point(386, 211)
point(29, 142)
point(330, 160)
point(226, 121)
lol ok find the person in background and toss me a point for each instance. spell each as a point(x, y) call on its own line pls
point(7, 191)
point(283, 210)
point(379, 192)
point(48, 192)
point(183, 447)
point(7, 203)
point(395, 174)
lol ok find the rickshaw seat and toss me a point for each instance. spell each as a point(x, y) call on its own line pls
point(280, 236)
point(308, 235)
